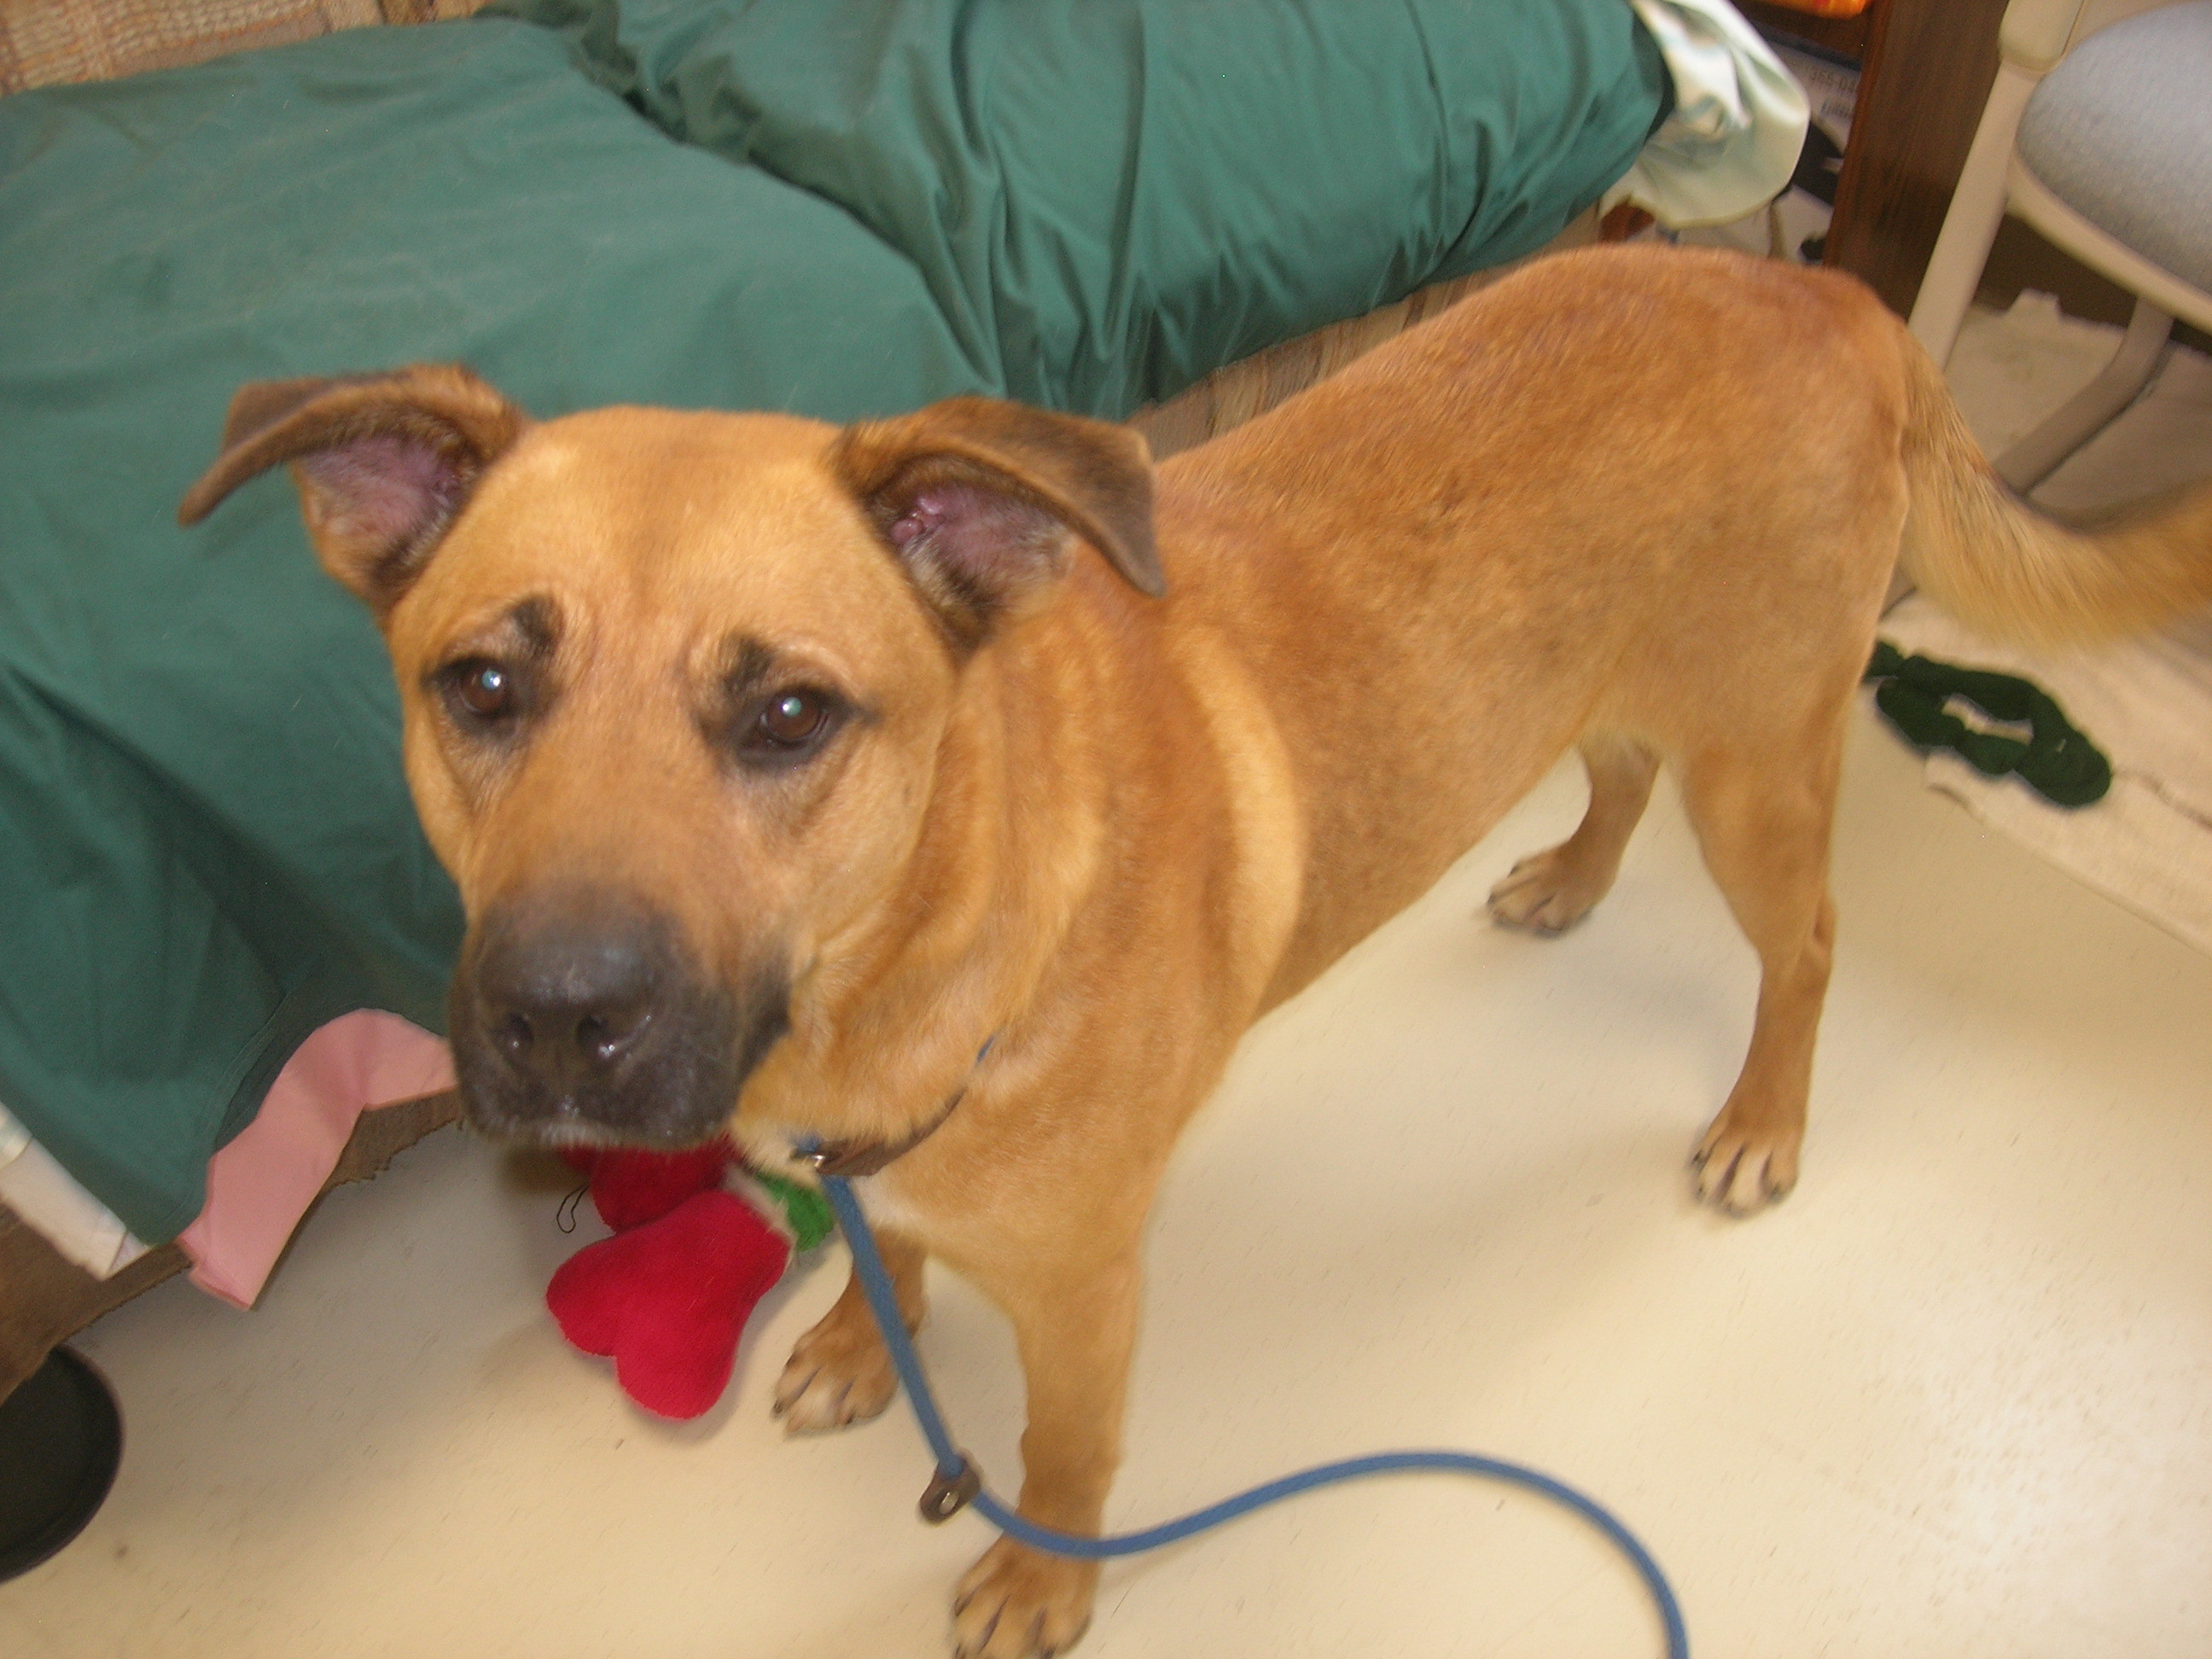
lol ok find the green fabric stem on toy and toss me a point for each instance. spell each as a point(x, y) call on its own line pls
point(805, 1210)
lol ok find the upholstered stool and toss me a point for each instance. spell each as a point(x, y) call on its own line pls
point(2121, 131)
point(2104, 145)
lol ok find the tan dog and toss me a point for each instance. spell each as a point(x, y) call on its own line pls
point(781, 768)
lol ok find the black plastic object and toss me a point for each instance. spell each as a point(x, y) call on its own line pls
point(61, 1441)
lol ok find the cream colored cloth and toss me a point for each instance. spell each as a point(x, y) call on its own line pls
point(73, 1221)
point(1738, 123)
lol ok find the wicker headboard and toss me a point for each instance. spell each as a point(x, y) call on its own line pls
point(46, 41)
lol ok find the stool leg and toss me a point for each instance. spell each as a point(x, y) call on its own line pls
point(2080, 418)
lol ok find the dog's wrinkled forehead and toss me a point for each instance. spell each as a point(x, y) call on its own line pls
point(634, 533)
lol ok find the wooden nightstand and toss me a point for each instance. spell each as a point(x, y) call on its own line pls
point(1926, 68)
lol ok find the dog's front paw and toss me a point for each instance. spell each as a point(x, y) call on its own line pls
point(1546, 893)
point(1742, 1165)
point(840, 1373)
point(1018, 1604)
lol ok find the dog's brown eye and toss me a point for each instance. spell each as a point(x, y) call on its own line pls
point(792, 718)
point(485, 689)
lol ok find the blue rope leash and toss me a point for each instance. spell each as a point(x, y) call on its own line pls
point(959, 1483)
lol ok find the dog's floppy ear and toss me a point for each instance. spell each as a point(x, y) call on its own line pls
point(981, 499)
point(384, 464)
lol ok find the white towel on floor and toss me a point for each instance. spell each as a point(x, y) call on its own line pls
point(2149, 706)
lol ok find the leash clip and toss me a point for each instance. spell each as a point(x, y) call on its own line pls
point(946, 1496)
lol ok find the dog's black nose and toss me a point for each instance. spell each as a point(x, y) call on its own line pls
point(577, 1011)
point(585, 1013)
point(566, 992)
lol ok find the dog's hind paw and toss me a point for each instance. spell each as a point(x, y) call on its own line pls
point(1546, 893)
point(837, 1375)
point(1016, 1603)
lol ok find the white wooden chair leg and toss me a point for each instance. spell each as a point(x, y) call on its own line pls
point(1901, 588)
point(2080, 418)
point(1978, 206)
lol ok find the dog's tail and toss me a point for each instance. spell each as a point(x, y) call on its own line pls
point(1997, 562)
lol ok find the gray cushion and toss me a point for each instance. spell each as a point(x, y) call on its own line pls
point(2121, 131)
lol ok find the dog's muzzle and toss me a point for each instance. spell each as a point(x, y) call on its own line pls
point(575, 1016)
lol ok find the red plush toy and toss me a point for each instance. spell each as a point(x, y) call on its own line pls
point(668, 1296)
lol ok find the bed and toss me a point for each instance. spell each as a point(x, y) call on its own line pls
point(1132, 209)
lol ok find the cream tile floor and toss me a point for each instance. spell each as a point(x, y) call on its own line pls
point(1952, 1399)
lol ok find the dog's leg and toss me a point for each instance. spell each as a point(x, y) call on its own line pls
point(840, 1372)
point(1549, 892)
point(1763, 818)
point(1076, 1329)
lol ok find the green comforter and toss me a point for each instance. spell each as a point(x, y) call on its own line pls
point(834, 206)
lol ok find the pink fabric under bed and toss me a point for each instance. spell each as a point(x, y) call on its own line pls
point(262, 1182)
